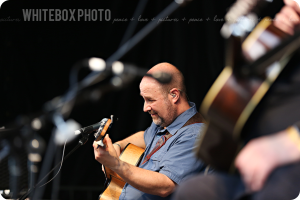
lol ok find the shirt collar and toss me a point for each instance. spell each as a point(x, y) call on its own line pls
point(181, 119)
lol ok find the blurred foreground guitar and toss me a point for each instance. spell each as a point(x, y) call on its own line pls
point(233, 96)
point(131, 154)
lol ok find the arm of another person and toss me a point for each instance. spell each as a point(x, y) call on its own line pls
point(144, 180)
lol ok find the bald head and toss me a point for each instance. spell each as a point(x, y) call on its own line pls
point(164, 102)
point(177, 77)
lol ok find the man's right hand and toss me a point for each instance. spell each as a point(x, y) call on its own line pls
point(136, 139)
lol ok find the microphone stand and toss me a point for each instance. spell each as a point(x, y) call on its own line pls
point(81, 142)
point(15, 171)
point(132, 42)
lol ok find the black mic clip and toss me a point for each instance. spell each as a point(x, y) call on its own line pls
point(101, 127)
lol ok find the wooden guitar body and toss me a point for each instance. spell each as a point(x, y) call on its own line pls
point(132, 155)
point(232, 98)
point(228, 110)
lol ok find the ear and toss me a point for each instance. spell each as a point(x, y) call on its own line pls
point(175, 94)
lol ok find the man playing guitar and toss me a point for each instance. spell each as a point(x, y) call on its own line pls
point(176, 123)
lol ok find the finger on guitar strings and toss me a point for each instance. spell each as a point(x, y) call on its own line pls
point(291, 14)
point(108, 143)
point(106, 139)
point(98, 147)
point(284, 23)
point(293, 4)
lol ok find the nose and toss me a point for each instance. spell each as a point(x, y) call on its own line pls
point(147, 107)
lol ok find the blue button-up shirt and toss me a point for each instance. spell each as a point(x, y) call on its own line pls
point(175, 159)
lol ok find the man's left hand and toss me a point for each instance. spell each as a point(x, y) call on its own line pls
point(106, 155)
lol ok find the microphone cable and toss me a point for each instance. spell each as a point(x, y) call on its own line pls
point(61, 163)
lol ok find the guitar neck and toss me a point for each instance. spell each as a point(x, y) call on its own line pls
point(265, 45)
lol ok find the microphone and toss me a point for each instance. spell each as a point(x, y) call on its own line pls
point(101, 127)
point(161, 77)
point(120, 68)
point(88, 129)
point(124, 72)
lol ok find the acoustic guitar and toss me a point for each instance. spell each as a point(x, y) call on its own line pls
point(131, 154)
point(233, 97)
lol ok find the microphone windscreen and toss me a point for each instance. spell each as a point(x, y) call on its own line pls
point(162, 77)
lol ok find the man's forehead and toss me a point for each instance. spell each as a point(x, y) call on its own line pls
point(149, 88)
point(147, 81)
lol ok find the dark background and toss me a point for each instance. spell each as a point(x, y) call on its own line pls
point(36, 59)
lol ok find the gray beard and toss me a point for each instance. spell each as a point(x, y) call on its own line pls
point(160, 121)
point(171, 116)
